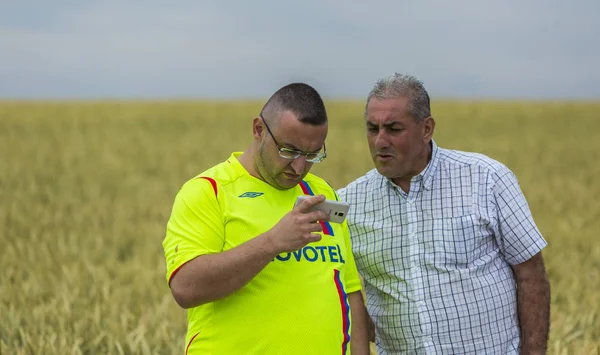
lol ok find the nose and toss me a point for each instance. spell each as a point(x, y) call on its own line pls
point(299, 164)
point(381, 140)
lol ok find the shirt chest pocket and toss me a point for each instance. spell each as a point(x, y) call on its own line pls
point(458, 242)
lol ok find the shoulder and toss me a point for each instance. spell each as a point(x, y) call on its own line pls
point(490, 169)
point(368, 182)
point(457, 158)
point(211, 181)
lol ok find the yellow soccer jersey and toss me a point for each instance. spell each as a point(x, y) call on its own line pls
point(297, 304)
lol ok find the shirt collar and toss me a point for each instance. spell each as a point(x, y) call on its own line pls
point(235, 163)
point(429, 172)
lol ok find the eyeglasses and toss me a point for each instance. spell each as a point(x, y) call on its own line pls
point(291, 154)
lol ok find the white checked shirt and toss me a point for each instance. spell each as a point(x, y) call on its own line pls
point(436, 261)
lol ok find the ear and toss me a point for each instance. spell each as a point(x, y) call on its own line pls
point(428, 128)
point(257, 128)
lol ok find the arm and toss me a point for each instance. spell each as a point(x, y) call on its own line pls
point(363, 329)
point(533, 297)
point(359, 342)
point(210, 277)
point(370, 329)
point(521, 243)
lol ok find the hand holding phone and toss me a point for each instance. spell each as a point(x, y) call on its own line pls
point(336, 210)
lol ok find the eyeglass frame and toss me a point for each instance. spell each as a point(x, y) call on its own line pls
point(298, 153)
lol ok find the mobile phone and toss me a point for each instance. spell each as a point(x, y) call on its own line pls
point(336, 210)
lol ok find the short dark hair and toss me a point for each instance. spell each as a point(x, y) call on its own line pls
point(299, 98)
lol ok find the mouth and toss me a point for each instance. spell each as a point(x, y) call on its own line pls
point(292, 176)
point(384, 157)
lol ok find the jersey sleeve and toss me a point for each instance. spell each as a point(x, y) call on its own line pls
point(517, 234)
point(195, 226)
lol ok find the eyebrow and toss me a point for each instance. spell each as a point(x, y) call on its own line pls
point(386, 125)
point(293, 147)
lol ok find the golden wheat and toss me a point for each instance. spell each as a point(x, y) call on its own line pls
point(86, 190)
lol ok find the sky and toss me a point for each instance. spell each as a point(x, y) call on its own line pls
point(248, 49)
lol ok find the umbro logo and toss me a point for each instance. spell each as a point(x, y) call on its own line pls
point(251, 194)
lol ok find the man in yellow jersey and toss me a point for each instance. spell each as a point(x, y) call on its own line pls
point(257, 275)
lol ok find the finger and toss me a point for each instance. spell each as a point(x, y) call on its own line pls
point(315, 216)
point(307, 204)
point(312, 217)
point(315, 227)
point(313, 237)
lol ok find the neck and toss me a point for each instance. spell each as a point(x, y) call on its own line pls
point(419, 166)
point(247, 161)
point(425, 158)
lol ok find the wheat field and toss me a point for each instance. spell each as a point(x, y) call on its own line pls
point(86, 189)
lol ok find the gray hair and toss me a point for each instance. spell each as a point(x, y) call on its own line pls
point(403, 85)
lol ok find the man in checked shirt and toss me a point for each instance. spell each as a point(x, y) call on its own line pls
point(445, 241)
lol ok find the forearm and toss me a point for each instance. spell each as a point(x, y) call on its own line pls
point(359, 342)
point(214, 276)
point(533, 294)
